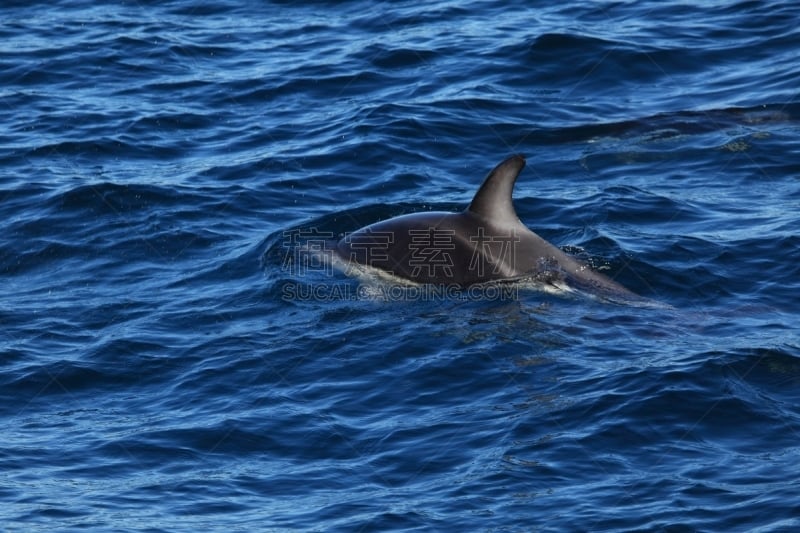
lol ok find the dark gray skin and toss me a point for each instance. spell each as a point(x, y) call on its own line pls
point(484, 243)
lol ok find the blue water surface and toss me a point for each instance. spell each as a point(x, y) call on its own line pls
point(169, 361)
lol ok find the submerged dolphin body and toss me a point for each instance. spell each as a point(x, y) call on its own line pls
point(484, 243)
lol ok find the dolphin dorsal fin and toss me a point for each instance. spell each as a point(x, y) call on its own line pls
point(493, 199)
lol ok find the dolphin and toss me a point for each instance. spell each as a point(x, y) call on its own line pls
point(484, 243)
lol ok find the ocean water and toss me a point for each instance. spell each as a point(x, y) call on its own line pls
point(168, 361)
